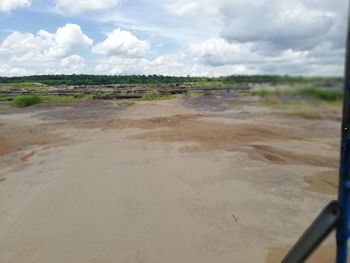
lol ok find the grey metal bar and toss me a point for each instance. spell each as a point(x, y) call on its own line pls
point(321, 227)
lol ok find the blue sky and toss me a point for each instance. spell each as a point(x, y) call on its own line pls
point(184, 37)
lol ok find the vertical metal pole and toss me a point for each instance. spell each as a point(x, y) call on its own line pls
point(343, 230)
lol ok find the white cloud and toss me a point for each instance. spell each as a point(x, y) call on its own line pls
point(11, 71)
point(197, 8)
point(122, 43)
point(283, 24)
point(44, 52)
point(8, 5)
point(162, 65)
point(207, 38)
point(217, 51)
point(267, 32)
point(72, 64)
point(86, 6)
point(172, 65)
point(298, 24)
point(45, 46)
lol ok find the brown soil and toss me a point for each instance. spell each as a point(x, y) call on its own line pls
point(116, 197)
point(324, 182)
point(278, 156)
point(26, 157)
point(15, 137)
point(207, 136)
point(152, 123)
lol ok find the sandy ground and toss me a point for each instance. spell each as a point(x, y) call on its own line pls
point(166, 181)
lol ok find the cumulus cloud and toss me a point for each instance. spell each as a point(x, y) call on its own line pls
point(73, 64)
point(11, 71)
point(45, 46)
point(122, 43)
point(211, 38)
point(44, 52)
point(8, 5)
point(268, 32)
point(281, 24)
point(172, 65)
point(124, 66)
point(217, 51)
point(86, 6)
point(267, 20)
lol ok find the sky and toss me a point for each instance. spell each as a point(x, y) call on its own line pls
point(177, 38)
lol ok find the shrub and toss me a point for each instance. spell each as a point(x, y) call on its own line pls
point(322, 94)
point(329, 95)
point(25, 101)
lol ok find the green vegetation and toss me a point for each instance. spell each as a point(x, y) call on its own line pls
point(158, 79)
point(62, 99)
point(124, 103)
point(322, 94)
point(309, 115)
point(324, 103)
point(4, 106)
point(155, 95)
point(21, 85)
point(330, 95)
point(206, 82)
point(25, 101)
point(191, 95)
point(3, 97)
point(160, 97)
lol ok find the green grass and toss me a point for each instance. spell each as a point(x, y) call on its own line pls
point(63, 99)
point(5, 106)
point(329, 95)
point(208, 84)
point(3, 97)
point(264, 92)
point(21, 85)
point(155, 95)
point(190, 95)
point(124, 103)
point(310, 110)
point(158, 97)
point(309, 115)
point(322, 94)
point(58, 99)
point(25, 101)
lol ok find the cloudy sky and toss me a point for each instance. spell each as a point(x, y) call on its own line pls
point(183, 37)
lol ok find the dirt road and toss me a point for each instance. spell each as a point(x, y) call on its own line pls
point(160, 182)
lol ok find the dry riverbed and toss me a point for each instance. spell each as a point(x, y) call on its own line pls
point(197, 180)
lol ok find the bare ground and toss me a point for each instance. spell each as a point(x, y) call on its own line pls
point(200, 180)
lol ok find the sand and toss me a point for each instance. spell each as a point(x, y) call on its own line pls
point(160, 182)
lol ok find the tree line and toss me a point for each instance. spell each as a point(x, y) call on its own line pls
point(85, 79)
